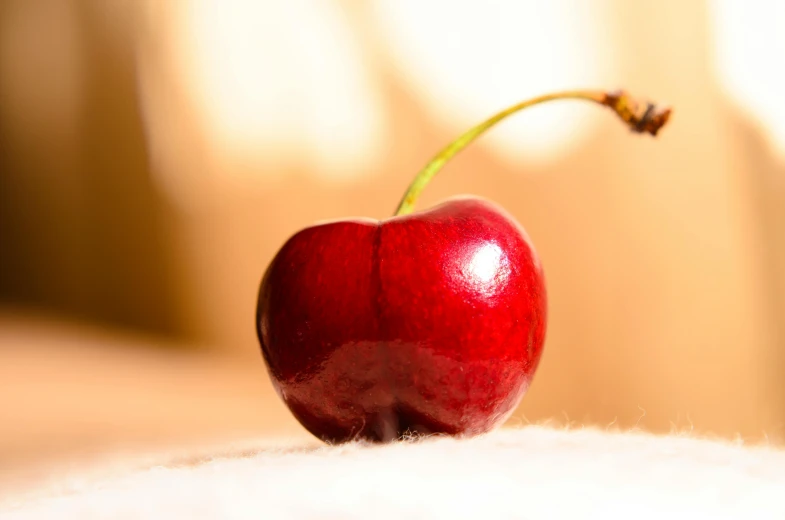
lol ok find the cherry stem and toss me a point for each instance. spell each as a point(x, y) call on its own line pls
point(639, 117)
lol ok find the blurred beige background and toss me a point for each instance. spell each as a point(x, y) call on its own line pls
point(154, 156)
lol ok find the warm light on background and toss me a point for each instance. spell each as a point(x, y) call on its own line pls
point(748, 40)
point(155, 155)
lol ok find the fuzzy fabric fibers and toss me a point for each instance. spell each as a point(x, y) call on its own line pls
point(531, 473)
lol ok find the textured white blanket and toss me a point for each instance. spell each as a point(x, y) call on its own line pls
point(531, 473)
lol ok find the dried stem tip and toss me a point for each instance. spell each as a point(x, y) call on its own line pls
point(640, 117)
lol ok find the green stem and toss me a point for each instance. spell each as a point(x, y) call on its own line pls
point(639, 118)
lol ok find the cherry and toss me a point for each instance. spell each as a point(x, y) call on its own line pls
point(427, 322)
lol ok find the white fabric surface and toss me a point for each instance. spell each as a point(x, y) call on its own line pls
point(531, 473)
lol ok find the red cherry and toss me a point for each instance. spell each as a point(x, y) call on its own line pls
point(431, 322)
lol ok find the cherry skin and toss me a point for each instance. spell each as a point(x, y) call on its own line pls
point(432, 322)
point(428, 322)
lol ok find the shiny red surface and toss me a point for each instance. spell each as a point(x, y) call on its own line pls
point(428, 323)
